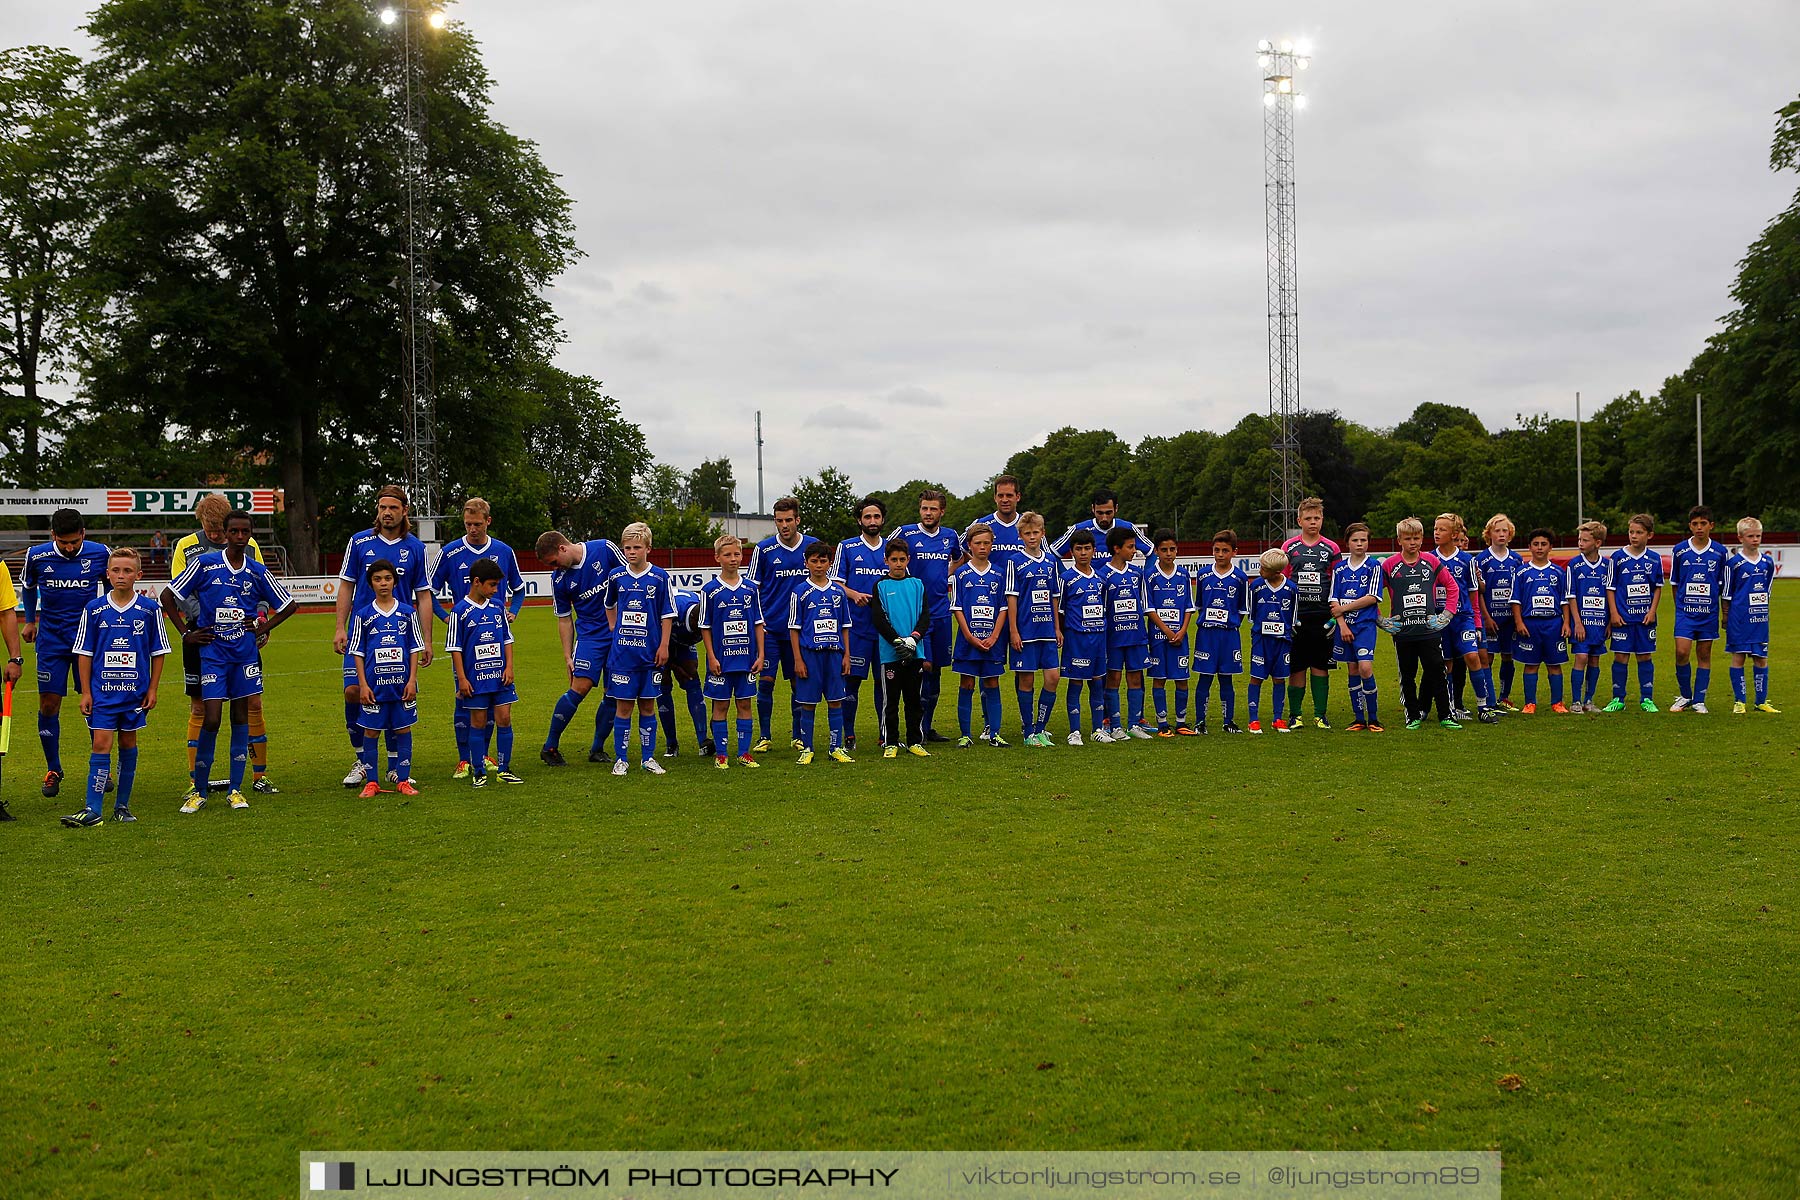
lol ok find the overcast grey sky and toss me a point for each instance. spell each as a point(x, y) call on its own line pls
point(918, 237)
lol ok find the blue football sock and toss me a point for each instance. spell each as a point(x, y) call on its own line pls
point(1646, 677)
point(477, 748)
point(1135, 699)
point(1279, 694)
point(1368, 687)
point(1506, 676)
point(203, 758)
point(965, 709)
point(1253, 693)
point(1577, 681)
point(1201, 697)
point(665, 713)
point(98, 764)
point(1620, 673)
point(367, 753)
point(765, 705)
point(1181, 697)
point(647, 735)
point(1159, 696)
point(745, 727)
point(127, 777)
point(1045, 706)
point(1112, 709)
point(1702, 681)
point(696, 706)
point(1556, 687)
point(621, 736)
point(720, 745)
point(851, 703)
point(1074, 698)
point(400, 757)
point(351, 711)
point(1027, 710)
point(805, 732)
point(1484, 687)
point(1355, 688)
point(991, 709)
point(566, 704)
point(459, 725)
point(1228, 698)
point(240, 755)
point(930, 684)
point(1531, 687)
point(1762, 685)
point(1593, 680)
point(1096, 704)
point(834, 722)
point(1684, 680)
point(503, 738)
point(1737, 684)
point(50, 734)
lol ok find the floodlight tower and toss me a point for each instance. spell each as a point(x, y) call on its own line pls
point(418, 345)
point(1281, 61)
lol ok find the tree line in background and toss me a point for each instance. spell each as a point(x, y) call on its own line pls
point(202, 237)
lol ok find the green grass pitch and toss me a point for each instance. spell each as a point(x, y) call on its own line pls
point(1320, 941)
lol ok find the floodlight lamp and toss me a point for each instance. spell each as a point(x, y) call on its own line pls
point(1264, 61)
point(438, 20)
point(389, 16)
point(1302, 63)
point(1287, 46)
point(1303, 48)
point(1284, 86)
point(1265, 45)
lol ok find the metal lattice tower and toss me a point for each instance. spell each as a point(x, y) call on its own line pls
point(1280, 62)
point(418, 342)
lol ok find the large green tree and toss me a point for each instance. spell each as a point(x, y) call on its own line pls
point(587, 453)
point(826, 500)
point(46, 213)
point(251, 236)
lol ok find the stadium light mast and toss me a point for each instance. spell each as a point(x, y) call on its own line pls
point(418, 349)
point(1281, 61)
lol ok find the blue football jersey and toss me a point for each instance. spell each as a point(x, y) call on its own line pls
point(579, 592)
point(733, 614)
point(56, 588)
point(1587, 587)
point(225, 597)
point(450, 576)
point(406, 552)
point(123, 642)
point(1747, 583)
point(1126, 599)
point(778, 571)
point(980, 596)
point(1698, 576)
point(1273, 607)
point(1171, 596)
point(1540, 593)
point(1083, 604)
point(1497, 571)
point(1461, 566)
point(480, 633)
point(643, 601)
point(821, 615)
point(1061, 546)
point(684, 635)
point(1007, 544)
point(933, 552)
point(1224, 599)
point(859, 566)
point(1633, 580)
point(386, 642)
point(1351, 582)
point(1037, 582)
